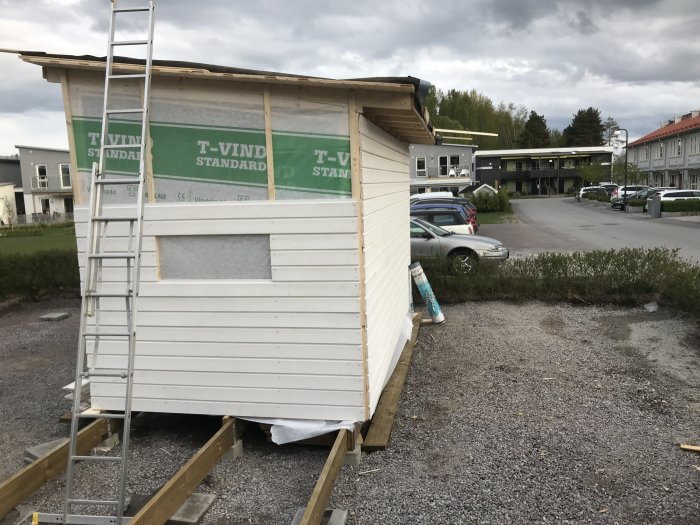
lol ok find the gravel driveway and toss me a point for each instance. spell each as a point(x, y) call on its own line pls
point(512, 413)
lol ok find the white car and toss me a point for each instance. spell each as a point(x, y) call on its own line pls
point(626, 191)
point(679, 195)
point(586, 189)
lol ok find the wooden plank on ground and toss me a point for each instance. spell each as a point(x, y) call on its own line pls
point(383, 421)
point(34, 475)
point(174, 493)
point(694, 448)
point(324, 486)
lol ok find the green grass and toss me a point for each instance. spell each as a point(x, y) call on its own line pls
point(496, 217)
point(54, 238)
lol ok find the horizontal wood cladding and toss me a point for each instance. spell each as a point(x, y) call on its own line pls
point(289, 346)
point(320, 410)
point(318, 351)
point(385, 190)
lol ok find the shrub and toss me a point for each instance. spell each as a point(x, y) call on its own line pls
point(688, 205)
point(29, 274)
point(596, 197)
point(626, 276)
point(637, 202)
point(487, 202)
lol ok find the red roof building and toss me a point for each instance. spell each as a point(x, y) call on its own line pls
point(670, 155)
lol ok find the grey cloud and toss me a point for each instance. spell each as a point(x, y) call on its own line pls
point(582, 23)
point(31, 96)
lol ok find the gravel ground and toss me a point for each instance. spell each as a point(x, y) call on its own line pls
point(511, 414)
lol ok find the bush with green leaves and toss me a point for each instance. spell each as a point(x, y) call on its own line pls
point(636, 203)
point(30, 274)
point(627, 276)
point(675, 206)
point(488, 202)
point(596, 197)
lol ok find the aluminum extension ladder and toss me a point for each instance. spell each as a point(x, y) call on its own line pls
point(91, 333)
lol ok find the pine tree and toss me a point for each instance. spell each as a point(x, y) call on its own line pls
point(586, 129)
point(535, 133)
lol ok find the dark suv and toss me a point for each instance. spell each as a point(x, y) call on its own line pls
point(452, 217)
point(467, 204)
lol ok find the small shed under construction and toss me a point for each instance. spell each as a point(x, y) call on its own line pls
point(274, 276)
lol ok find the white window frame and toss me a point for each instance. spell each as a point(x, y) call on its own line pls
point(679, 147)
point(61, 174)
point(424, 171)
point(42, 181)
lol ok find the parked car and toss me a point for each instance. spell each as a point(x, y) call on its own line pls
point(678, 195)
point(471, 250)
point(468, 206)
point(586, 189)
point(628, 190)
point(609, 186)
point(616, 202)
point(452, 217)
point(432, 195)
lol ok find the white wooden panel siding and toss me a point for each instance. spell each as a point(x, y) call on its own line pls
point(385, 194)
point(289, 346)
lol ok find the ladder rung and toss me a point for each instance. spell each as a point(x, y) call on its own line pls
point(131, 9)
point(107, 334)
point(101, 295)
point(114, 219)
point(96, 458)
point(121, 111)
point(116, 181)
point(122, 375)
point(121, 146)
point(73, 519)
point(129, 75)
point(112, 255)
point(102, 415)
point(130, 42)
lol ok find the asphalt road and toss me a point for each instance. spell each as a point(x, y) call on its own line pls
point(564, 225)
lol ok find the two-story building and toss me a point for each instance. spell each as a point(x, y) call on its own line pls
point(11, 194)
point(441, 167)
point(670, 155)
point(47, 183)
point(540, 171)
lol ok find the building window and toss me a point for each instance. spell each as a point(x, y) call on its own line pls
point(45, 206)
point(42, 179)
point(442, 166)
point(65, 175)
point(420, 167)
point(679, 147)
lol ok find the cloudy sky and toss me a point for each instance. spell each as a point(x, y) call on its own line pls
point(635, 60)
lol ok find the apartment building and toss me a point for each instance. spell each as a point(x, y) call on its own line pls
point(47, 182)
point(670, 155)
point(441, 167)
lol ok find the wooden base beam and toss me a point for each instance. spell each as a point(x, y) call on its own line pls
point(168, 499)
point(33, 476)
point(324, 486)
point(383, 421)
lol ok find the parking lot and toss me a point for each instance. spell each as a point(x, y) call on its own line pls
point(563, 225)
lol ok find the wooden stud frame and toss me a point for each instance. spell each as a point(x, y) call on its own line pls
point(267, 106)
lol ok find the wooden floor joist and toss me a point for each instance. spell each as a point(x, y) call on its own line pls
point(383, 420)
point(33, 476)
point(174, 493)
point(324, 486)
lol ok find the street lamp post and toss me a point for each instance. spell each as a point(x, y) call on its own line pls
point(624, 195)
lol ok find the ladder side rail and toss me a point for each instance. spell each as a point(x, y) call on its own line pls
point(145, 134)
point(82, 349)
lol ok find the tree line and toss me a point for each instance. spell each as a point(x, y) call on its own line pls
point(516, 126)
